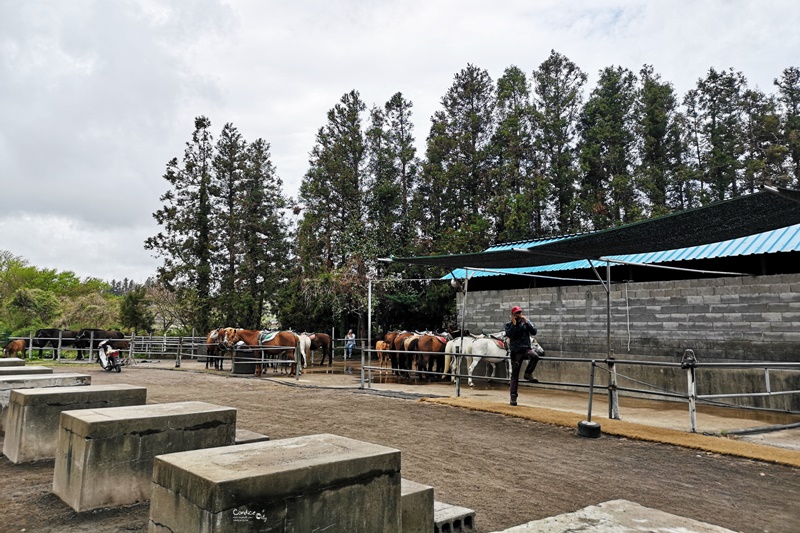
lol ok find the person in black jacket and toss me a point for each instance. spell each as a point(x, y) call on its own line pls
point(519, 331)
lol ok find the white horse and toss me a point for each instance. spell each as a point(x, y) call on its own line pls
point(305, 347)
point(493, 351)
point(453, 354)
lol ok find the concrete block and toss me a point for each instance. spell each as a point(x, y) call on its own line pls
point(19, 370)
point(452, 518)
point(417, 507)
point(11, 361)
point(30, 381)
point(311, 483)
point(616, 516)
point(245, 436)
point(104, 457)
point(32, 421)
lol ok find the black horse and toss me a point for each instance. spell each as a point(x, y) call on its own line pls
point(93, 337)
point(50, 337)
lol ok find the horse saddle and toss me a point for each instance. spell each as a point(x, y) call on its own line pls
point(499, 341)
point(266, 336)
point(312, 336)
point(441, 339)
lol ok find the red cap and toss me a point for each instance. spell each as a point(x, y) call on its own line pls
point(516, 309)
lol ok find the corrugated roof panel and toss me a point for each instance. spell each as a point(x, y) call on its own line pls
point(780, 240)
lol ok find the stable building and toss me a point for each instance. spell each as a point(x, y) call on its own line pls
point(719, 284)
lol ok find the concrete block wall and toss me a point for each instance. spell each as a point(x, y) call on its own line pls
point(721, 319)
point(754, 318)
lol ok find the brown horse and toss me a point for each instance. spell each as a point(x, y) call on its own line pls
point(321, 341)
point(258, 339)
point(381, 347)
point(434, 346)
point(14, 347)
point(401, 362)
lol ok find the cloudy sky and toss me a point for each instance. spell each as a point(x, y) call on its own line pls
point(96, 96)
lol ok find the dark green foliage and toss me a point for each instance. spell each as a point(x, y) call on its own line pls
point(224, 239)
point(135, 313)
point(558, 96)
point(789, 99)
point(607, 138)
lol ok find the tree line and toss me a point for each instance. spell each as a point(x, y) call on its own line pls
point(529, 155)
point(518, 158)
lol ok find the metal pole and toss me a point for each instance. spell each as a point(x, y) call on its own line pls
point(369, 332)
point(690, 378)
point(461, 348)
point(591, 391)
point(613, 396)
point(58, 352)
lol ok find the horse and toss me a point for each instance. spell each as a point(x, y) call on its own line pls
point(259, 339)
point(408, 343)
point(50, 337)
point(305, 346)
point(321, 341)
point(214, 349)
point(434, 346)
point(453, 353)
point(493, 350)
point(400, 361)
point(14, 347)
point(90, 338)
point(381, 347)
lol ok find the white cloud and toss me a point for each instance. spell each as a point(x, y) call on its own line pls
point(97, 96)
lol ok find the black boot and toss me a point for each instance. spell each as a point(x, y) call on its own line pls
point(513, 400)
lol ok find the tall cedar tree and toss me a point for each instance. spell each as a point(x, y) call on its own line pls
point(393, 168)
point(331, 191)
point(332, 235)
point(519, 203)
point(789, 98)
point(458, 175)
point(607, 140)
point(229, 165)
point(264, 236)
point(763, 152)
point(186, 243)
point(718, 99)
point(558, 96)
point(660, 146)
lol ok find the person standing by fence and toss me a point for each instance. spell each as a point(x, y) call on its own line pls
point(349, 344)
point(519, 331)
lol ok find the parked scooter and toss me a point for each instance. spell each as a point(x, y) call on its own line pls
point(109, 357)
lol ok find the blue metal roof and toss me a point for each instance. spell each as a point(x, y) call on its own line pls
point(780, 240)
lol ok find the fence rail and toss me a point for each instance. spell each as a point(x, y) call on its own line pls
point(609, 366)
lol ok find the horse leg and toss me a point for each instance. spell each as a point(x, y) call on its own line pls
point(472, 364)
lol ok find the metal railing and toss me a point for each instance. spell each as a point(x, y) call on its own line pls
point(612, 387)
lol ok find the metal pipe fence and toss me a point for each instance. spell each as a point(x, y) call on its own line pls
point(609, 366)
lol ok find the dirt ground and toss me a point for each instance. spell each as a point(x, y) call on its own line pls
point(508, 470)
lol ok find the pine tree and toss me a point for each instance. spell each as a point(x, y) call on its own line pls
point(458, 175)
point(607, 140)
point(763, 150)
point(393, 168)
point(558, 97)
point(518, 205)
point(228, 166)
point(720, 127)
point(660, 146)
point(331, 191)
point(186, 243)
point(264, 236)
point(789, 98)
